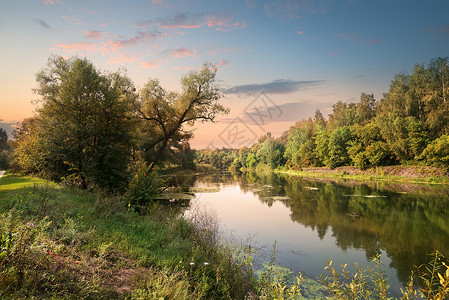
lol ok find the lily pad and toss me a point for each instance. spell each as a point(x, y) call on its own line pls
point(275, 198)
point(204, 189)
point(311, 188)
point(179, 196)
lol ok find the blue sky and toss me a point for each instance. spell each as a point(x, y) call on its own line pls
point(302, 54)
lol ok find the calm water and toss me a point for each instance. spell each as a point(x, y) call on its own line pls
point(315, 221)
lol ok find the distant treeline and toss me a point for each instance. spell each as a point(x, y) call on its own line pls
point(409, 125)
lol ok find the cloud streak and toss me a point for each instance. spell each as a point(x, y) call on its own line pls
point(42, 23)
point(51, 2)
point(94, 35)
point(293, 9)
point(280, 86)
point(193, 21)
point(180, 52)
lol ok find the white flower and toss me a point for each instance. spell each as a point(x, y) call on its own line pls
point(206, 263)
point(192, 263)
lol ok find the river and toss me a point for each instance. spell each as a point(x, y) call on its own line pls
point(312, 221)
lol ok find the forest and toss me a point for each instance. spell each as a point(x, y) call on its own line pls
point(409, 125)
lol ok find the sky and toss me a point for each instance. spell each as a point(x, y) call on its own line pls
point(278, 61)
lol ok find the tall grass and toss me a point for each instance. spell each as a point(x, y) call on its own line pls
point(67, 243)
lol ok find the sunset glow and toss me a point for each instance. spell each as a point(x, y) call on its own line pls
point(286, 58)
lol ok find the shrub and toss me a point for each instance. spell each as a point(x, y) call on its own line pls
point(437, 152)
point(144, 187)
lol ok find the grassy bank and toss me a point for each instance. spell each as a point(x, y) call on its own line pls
point(400, 174)
point(70, 244)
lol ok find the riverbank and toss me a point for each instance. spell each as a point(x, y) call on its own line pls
point(67, 243)
point(399, 174)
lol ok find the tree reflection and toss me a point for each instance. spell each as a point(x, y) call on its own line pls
point(406, 225)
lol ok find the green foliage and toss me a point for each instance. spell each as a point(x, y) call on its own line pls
point(144, 187)
point(338, 143)
point(367, 147)
point(365, 283)
point(274, 281)
point(343, 114)
point(5, 159)
point(300, 147)
point(3, 140)
point(236, 166)
point(84, 127)
point(270, 152)
point(29, 156)
point(165, 114)
point(434, 277)
point(437, 152)
point(371, 282)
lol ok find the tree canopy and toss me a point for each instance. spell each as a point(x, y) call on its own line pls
point(165, 114)
point(92, 126)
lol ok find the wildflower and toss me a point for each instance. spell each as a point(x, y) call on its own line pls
point(192, 263)
point(31, 225)
point(206, 263)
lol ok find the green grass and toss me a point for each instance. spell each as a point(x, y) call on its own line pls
point(67, 243)
point(12, 182)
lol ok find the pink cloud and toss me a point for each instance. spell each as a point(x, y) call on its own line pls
point(223, 63)
point(122, 59)
point(51, 2)
point(223, 23)
point(94, 35)
point(80, 47)
point(180, 52)
point(300, 32)
point(74, 20)
point(149, 64)
point(140, 37)
point(180, 20)
point(187, 21)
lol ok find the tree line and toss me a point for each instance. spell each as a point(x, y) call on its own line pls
point(409, 125)
point(91, 128)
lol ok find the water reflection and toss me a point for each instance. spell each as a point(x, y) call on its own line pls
point(316, 220)
point(407, 222)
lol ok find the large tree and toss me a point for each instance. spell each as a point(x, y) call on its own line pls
point(86, 121)
point(166, 115)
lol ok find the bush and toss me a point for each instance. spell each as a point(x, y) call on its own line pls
point(437, 152)
point(144, 187)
